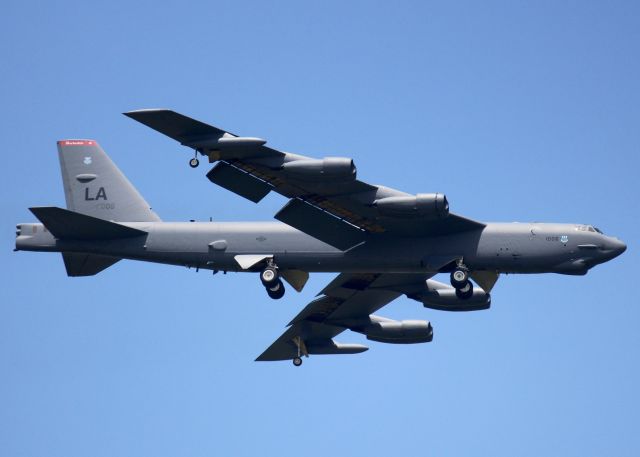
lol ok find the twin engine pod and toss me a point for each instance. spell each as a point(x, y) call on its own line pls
point(334, 169)
point(433, 206)
point(386, 330)
point(443, 297)
point(342, 169)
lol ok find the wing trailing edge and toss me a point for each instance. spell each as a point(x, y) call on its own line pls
point(320, 224)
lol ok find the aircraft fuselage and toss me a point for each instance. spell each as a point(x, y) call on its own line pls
point(501, 247)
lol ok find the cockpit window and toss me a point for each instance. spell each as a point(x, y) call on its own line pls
point(589, 228)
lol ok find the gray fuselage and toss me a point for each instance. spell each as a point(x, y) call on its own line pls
point(501, 247)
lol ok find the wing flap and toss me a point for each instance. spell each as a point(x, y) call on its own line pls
point(239, 182)
point(320, 224)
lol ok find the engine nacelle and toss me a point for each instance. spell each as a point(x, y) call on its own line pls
point(432, 206)
point(399, 332)
point(443, 297)
point(320, 170)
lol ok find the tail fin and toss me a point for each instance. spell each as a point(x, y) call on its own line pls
point(93, 185)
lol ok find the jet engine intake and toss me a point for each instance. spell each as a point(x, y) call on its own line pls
point(327, 169)
point(432, 206)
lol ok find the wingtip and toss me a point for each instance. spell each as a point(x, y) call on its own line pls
point(134, 113)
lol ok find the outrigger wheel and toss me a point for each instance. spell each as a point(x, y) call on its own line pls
point(302, 350)
point(193, 163)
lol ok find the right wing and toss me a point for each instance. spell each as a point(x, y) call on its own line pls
point(327, 201)
point(347, 303)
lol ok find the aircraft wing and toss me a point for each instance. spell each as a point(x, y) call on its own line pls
point(326, 200)
point(347, 303)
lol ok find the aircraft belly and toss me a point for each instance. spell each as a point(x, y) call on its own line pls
point(240, 238)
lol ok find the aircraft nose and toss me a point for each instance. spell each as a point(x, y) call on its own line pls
point(617, 247)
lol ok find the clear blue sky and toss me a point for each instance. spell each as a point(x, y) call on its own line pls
point(526, 111)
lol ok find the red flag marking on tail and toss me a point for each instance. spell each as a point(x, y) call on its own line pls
point(77, 143)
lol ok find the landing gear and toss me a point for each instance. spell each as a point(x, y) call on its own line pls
point(269, 276)
point(460, 281)
point(270, 279)
point(459, 277)
point(465, 292)
point(276, 291)
point(302, 350)
point(193, 163)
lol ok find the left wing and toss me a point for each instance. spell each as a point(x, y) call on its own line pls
point(347, 303)
point(327, 201)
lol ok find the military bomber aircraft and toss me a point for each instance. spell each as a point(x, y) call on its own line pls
point(384, 243)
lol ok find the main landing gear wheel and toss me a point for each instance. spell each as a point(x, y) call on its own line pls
point(276, 291)
point(193, 163)
point(459, 277)
point(269, 276)
point(465, 292)
point(297, 361)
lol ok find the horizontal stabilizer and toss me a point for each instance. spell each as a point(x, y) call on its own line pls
point(86, 264)
point(69, 225)
point(320, 224)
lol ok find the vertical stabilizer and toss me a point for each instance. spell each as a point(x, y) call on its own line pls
point(93, 184)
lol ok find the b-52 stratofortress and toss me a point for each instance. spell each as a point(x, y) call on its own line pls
point(384, 243)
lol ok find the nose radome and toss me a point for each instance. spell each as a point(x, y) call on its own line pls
point(618, 247)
